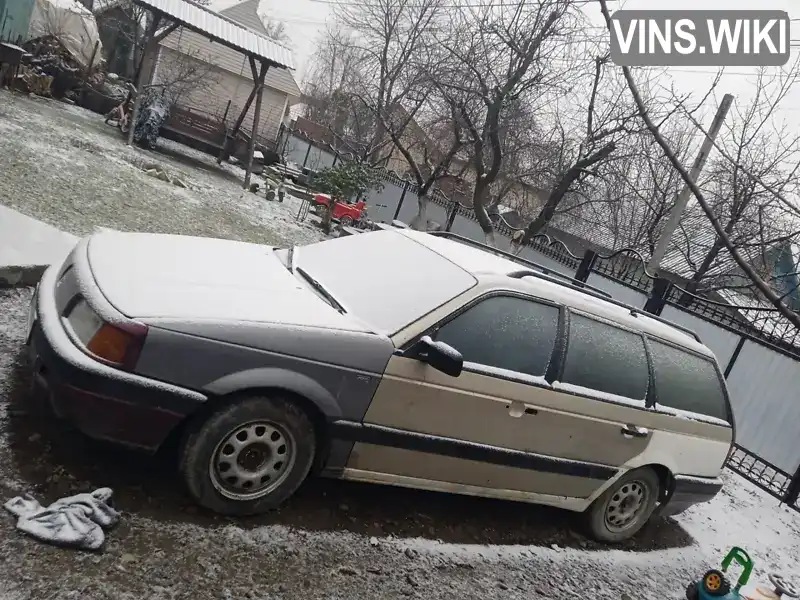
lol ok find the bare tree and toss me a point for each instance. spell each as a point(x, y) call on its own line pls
point(275, 28)
point(428, 156)
point(745, 189)
point(500, 54)
point(184, 73)
point(627, 206)
point(330, 96)
point(608, 117)
point(748, 270)
point(394, 40)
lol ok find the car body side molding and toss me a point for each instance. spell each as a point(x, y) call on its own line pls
point(433, 444)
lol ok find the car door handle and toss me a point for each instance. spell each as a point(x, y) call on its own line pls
point(633, 431)
point(517, 409)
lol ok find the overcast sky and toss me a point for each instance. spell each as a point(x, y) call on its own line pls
point(305, 21)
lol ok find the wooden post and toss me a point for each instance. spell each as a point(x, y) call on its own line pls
point(91, 63)
point(240, 119)
point(149, 44)
point(256, 116)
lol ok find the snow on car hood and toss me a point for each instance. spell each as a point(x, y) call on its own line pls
point(193, 278)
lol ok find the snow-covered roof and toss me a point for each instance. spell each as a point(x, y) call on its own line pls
point(223, 30)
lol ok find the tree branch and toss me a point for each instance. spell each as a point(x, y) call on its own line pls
point(762, 287)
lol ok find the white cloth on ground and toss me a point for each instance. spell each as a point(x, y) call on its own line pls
point(75, 521)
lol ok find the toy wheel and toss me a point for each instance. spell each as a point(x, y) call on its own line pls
point(346, 221)
point(783, 587)
point(692, 593)
point(715, 584)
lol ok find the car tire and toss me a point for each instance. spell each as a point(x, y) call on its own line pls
point(249, 456)
point(624, 508)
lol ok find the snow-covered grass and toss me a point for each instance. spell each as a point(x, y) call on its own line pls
point(64, 166)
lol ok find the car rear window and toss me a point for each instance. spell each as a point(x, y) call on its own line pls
point(687, 382)
point(384, 278)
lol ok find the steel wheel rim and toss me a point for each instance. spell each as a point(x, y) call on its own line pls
point(252, 460)
point(626, 506)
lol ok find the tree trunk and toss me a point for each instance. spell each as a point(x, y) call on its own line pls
point(694, 282)
point(479, 206)
point(562, 187)
point(420, 221)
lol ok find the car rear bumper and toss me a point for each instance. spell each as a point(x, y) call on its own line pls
point(689, 491)
point(103, 402)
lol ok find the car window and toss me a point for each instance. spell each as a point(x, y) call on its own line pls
point(685, 381)
point(606, 359)
point(505, 332)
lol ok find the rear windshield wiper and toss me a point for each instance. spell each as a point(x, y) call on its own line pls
point(320, 289)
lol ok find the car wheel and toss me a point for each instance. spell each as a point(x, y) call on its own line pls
point(346, 221)
point(249, 456)
point(625, 507)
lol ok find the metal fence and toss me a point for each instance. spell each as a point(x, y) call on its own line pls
point(761, 369)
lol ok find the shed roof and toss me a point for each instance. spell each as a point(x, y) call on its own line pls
point(222, 30)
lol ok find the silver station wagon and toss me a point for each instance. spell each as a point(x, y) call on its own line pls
point(442, 365)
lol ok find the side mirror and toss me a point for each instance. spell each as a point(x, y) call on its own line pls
point(439, 355)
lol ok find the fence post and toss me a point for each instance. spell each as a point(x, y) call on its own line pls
point(400, 204)
point(305, 159)
point(585, 268)
point(451, 217)
point(734, 356)
point(793, 491)
point(335, 158)
point(658, 297)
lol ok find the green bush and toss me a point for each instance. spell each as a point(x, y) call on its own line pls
point(347, 180)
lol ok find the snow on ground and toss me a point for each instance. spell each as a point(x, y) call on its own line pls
point(338, 540)
point(334, 539)
point(64, 166)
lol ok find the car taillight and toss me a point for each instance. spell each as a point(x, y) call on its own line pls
point(119, 344)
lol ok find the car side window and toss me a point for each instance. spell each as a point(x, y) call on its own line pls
point(505, 332)
point(685, 381)
point(606, 359)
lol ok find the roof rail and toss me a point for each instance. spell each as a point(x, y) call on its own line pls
point(570, 282)
point(526, 273)
point(549, 273)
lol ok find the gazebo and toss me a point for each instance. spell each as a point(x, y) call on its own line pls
point(261, 52)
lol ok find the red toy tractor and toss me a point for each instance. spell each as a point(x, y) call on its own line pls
point(346, 214)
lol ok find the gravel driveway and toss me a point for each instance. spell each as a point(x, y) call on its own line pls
point(62, 165)
point(339, 540)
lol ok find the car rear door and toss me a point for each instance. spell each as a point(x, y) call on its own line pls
point(505, 426)
point(694, 428)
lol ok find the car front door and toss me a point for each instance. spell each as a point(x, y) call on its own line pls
point(505, 426)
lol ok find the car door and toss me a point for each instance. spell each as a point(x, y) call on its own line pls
point(694, 431)
point(504, 426)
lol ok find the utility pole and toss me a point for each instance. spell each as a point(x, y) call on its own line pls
point(683, 197)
